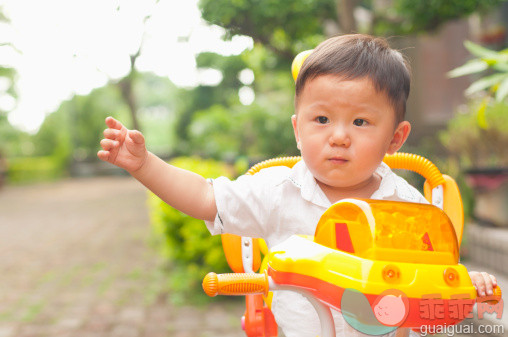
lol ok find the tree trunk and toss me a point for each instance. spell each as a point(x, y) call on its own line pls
point(345, 15)
point(127, 90)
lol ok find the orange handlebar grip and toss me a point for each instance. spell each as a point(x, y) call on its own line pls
point(235, 284)
point(494, 298)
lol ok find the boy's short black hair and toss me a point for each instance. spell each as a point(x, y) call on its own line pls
point(356, 56)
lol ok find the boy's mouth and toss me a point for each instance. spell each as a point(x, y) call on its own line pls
point(338, 160)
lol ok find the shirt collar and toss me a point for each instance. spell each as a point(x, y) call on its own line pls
point(391, 187)
point(387, 188)
point(302, 178)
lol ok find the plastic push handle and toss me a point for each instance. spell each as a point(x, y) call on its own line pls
point(235, 284)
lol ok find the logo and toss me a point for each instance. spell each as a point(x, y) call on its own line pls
point(392, 308)
point(388, 311)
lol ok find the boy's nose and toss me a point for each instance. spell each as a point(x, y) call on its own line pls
point(340, 137)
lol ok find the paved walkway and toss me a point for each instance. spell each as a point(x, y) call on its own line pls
point(75, 261)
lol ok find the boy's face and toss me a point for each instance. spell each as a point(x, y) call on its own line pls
point(344, 128)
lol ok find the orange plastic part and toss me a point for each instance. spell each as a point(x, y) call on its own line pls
point(391, 273)
point(232, 245)
point(235, 284)
point(491, 299)
point(283, 161)
point(451, 277)
point(452, 204)
point(258, 318)
point(417, 164)
point(397, 231)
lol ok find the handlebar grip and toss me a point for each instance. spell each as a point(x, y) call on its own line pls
point(235, 284)
point(492, 299)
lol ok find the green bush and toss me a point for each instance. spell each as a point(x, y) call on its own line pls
point(478, 136)
point(185, 242)
point(34, 169)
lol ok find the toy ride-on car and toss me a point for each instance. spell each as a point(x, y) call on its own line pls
point(383, 264)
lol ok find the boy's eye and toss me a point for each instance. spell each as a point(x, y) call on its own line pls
point(359, 122)
point(322, 119)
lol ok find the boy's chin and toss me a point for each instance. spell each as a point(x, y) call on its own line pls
point(334, 184)
point(345, 185)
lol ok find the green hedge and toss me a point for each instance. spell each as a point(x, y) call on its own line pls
point(185, 242)
point(34, 169)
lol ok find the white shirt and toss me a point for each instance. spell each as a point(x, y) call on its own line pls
point(278, 202)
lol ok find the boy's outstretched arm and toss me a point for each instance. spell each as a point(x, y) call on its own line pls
point(182, 189)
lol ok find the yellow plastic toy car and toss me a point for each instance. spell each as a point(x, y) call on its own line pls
point(383, 264)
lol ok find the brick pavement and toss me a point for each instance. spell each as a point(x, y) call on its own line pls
point(75, 261)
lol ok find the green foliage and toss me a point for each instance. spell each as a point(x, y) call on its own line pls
point(34, 169)
point(427, 15)
point(184, 241)
point(274, 24)
point(75, 128)
point(288, 27)
point(477, 143)
point(10, 138)
point(13, 142)
point(157, 100)
point(72, 133)
point(214, 123)
point(190, 101)
point(253, 131)
point(486, 59)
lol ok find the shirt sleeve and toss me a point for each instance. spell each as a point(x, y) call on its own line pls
point(244, 205)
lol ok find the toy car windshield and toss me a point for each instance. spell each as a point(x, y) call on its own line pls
point(389, 231)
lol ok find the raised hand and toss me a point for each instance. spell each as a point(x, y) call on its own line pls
point(122, 147)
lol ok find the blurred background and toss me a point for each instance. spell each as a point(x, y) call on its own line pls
point(86, 251)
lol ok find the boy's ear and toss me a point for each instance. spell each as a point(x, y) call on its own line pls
point(399, 137)
point(295, 129)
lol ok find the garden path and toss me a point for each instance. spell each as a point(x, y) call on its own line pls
point(75, 260)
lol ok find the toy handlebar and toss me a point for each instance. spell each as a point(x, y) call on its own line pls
point(235, 284)
point(398, 160)
point(251, 283)
point(491, 299)
point(417, 164)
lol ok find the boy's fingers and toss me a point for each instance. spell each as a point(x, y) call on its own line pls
point(108, 144)
point(136, 136)
point(113, 123)
point(478, 282)
point(111, 133)
point(488, 283)
point(494, 280)
point(103, 155)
